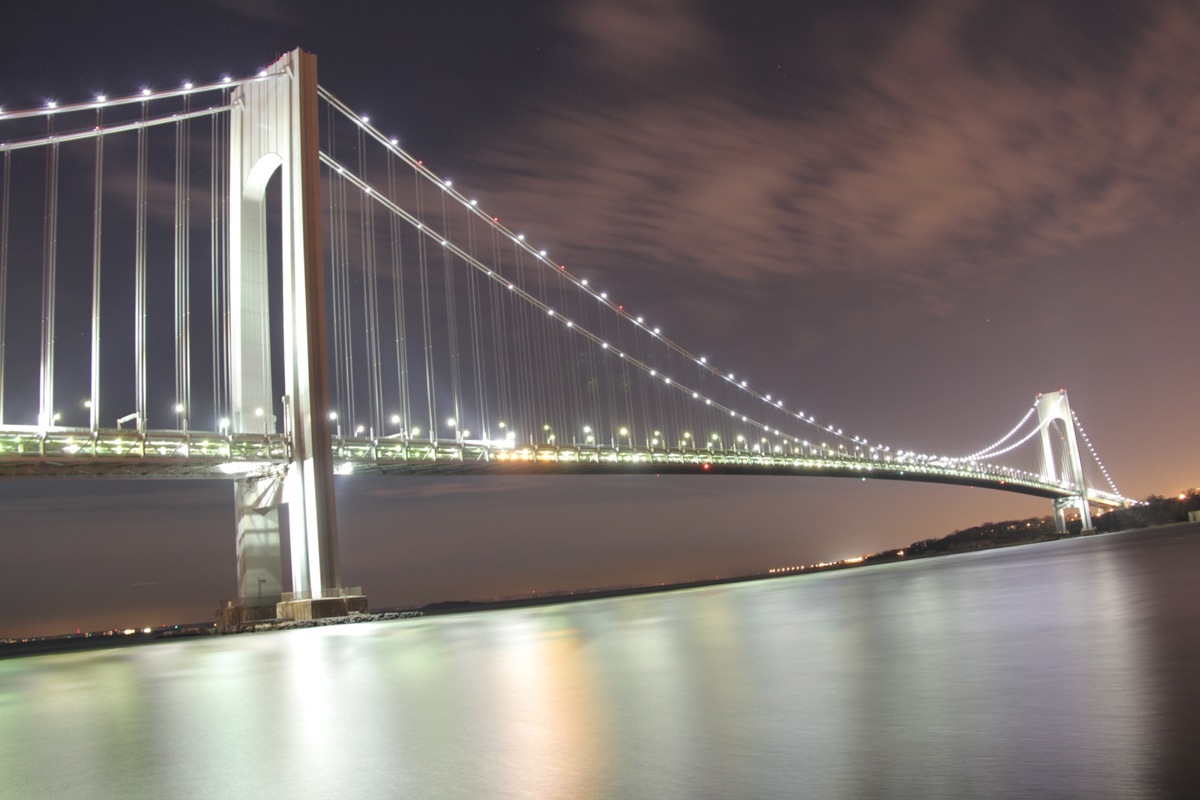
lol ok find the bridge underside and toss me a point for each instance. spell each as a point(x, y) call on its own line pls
point(647, 467)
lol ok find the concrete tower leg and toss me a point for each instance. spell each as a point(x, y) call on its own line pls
point(274, 126)
point(260, 563)
point(1060, 519)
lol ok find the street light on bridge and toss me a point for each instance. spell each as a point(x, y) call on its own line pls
point(509, 435)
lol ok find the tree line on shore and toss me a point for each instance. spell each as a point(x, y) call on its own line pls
point(1154, 510)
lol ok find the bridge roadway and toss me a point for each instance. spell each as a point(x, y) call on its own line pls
point(29, 451)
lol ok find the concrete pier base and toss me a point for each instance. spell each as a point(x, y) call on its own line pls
point(321, 607)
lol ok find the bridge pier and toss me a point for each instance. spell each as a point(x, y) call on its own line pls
point(274, 127)
point(256, 504)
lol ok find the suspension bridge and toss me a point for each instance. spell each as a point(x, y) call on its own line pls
point(171, 259)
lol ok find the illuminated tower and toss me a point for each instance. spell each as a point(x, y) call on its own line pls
point(1054, 408)
point(274, 127)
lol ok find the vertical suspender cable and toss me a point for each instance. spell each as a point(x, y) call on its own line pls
point(182, 271)
point(625, 383)
point(451, 320)
point(49, 265)
point(347, 316)
point(476, 314)
point(370, 296)
point(5, 194)
point(395, 229)
point(335, 285)
point(592, 387)
point(576, 368)
point(336, 192)
point(500, 345)
point(527, 367)
point(217, 240)
point(343, 212)
point(552, 373)
point(139, 300)
point(97, 216)
point(426, 323)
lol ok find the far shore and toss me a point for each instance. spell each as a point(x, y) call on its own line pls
point(111, 639)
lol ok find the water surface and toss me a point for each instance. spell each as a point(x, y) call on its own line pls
point(1064, 669)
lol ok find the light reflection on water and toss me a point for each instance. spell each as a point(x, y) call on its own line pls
point(1056, 670)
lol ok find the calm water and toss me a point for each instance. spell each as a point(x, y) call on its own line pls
point(1059, 670)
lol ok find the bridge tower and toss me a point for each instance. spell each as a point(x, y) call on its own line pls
point(274, 127)
point(1051, 408)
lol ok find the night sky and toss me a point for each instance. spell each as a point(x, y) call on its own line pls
point(911, 217)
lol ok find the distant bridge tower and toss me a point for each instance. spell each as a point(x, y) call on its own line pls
point(1051, 408)
point(274, 126)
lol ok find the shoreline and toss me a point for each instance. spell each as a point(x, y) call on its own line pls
point(109, 640)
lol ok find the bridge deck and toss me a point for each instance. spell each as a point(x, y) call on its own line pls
point(120, 453)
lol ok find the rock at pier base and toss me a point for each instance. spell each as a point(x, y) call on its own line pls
point(232, 615)
point(321, 607)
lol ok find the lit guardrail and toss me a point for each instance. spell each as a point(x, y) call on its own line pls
point(30, 450)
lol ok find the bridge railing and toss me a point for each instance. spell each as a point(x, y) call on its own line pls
point(28, 442)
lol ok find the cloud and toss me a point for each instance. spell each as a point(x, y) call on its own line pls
point(962, 140)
